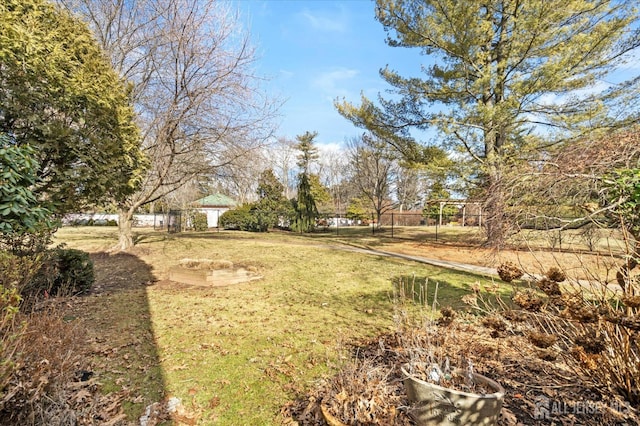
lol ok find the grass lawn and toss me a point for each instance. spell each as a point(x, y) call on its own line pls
point(235, 355)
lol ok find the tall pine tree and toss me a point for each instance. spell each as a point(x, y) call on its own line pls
point(504, 77)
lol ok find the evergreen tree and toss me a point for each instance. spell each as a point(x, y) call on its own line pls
point(504, 73)
point(272, 204)
point(305, 205)
point(357, 209)
point(269, 187)
point(321, 194)
point(60, 95)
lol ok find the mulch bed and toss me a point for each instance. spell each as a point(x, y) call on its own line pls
point(538, 390)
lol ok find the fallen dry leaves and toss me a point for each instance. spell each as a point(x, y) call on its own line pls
point(359, 394)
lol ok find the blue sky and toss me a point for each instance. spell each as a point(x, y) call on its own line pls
point(313, 52)
point(316, 51)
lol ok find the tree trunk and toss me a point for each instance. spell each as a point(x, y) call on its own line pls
point(497, 224)
point(495, 220)
point(623, 276)
point(125, 230)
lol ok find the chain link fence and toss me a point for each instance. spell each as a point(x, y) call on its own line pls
point(552, 233)
point(393, 224)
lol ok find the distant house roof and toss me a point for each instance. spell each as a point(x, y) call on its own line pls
point(216, 200)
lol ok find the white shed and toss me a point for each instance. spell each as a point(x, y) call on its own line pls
point(213, 206)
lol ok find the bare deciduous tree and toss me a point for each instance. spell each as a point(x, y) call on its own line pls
point(194, 88)
point(411, 186)
point(334, 173)
point(372, 167)
point(239, 176)
point(283, 162)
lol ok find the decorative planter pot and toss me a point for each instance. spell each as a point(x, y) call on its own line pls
point(437, 405)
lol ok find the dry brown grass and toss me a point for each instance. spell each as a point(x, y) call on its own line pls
point(527, 373)
point(529, 251)
point(49, 383)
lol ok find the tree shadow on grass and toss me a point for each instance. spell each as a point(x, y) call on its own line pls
point(489, 297)
point(121, 344)
point(145, 238)
point(428, 292)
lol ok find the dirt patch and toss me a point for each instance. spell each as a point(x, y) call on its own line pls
point(116, 272)
point(211, 277)
point(211, 273)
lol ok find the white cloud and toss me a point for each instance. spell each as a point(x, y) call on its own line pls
point(332, 83)
point(334, 23)
point(285, 75)
point(599, 87)
point(325, 149)
point(549, 99)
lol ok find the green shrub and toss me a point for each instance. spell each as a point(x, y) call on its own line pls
point(76, 270)
point(241, 218)
point(62, 271)
point(250, 217)
point(230, 219)
point(199, 221)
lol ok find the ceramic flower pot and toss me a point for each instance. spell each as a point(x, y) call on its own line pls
point(436, 405)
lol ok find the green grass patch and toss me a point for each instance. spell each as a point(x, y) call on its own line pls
point(237, 354)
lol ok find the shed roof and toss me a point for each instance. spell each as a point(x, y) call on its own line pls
point(216, 200)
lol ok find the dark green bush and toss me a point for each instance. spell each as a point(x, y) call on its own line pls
point(250, 217)
point(68, 271)
point(199, 221)
point(241, 218)
point(76, 270)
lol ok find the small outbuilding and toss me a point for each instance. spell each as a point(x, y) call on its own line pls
point(213, 206)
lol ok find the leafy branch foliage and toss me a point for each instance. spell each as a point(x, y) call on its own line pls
point(624, 197)
point(59, 94)
point(20, 210)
